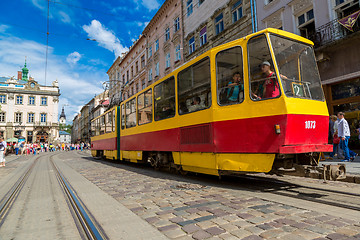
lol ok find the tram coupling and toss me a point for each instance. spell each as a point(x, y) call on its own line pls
point(295, 165)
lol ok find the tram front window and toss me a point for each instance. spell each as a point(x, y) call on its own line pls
point(297, 67)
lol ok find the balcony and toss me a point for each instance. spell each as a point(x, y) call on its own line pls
point(42, 124)
point(332, 32)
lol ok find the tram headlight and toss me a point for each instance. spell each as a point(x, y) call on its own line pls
point(277, 129)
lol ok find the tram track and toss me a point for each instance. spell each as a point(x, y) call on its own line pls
point(284, 188)
point(85, 222)
point(9, 198)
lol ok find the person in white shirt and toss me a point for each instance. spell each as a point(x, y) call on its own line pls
point(2, 152)
point(344, 135)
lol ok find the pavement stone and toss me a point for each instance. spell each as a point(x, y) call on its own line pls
point(213, 212)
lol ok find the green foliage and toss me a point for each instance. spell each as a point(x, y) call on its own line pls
point(65, 127)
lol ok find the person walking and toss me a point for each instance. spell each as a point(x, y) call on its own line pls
point(344, 135)
point(2, 152)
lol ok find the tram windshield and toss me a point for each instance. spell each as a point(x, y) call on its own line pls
point(297, 67)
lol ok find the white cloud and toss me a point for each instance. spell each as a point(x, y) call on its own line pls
point(73, 58)
point(64, 17)
point(3, 28)
point(104, 37)
point(150, 4)
point(76, 88)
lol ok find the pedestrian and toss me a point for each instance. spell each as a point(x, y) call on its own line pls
point(344, 134)
point(17, 146)
point(2, 152)
point(333, 136)
point(82, 146)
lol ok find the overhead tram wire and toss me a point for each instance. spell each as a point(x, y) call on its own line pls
point(47, 38)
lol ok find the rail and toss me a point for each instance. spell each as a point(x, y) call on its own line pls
point(7, 201)
point(331, 32)
point(83, 219)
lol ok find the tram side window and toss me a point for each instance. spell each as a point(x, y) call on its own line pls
point(262, 76)
point(123, 116)
point(164, 99)
point(97, 126)
point(229, 73)
point(108, 122)
point(131, 113)
point(145, 107)
point(113, 120)
point(194, 86)
point(102, 124)
point(93, 128)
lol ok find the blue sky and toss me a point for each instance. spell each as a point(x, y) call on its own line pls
point(80, 65)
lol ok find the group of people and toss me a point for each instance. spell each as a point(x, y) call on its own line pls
point(339, 133)
point(24, 148)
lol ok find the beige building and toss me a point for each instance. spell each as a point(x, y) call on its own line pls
point(29, 110)
point(164, 41)
point(213, 22)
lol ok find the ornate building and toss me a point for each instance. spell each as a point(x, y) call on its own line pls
point(29, 110)
point(62, 119)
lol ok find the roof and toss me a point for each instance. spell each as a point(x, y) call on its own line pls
point(4, 79)
point(63, 133)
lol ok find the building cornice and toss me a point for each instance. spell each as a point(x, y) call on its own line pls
point(16, 91)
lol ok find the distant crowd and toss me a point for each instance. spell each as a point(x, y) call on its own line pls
point(23, 148)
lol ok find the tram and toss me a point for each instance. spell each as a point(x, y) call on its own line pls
point(250, 105)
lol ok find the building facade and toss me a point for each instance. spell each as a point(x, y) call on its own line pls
point(75, 130)
point(29, 110)
point(65, 137)
point(213, 22)
point(336, 46)
point(164, 40)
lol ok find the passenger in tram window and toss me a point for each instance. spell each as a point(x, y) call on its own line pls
point(183, 108)
point(235, 88)
point(270, 87)
point(196, 105)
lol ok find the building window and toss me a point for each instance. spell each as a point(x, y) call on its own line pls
point(167, 60)
point(137, 67)
point(2, 117)
point(3, 99)
point(31, 100)
point(167, 34)
point(118, 76)
point(203, 37)
point(156, 45)
point(43, 101)
point(219, 24)
point(143, 84)
point(124, 79)
point(150, 75)
point(18, 117)
point(43, 117)
point(236, 11)
point(132, 71)
point(201, 1)
point(177, 53)
point(31, 117)
point(142, 61)
point(127, 76)
point(189, 7)
point(191, 45)
point(19, 100)
point(157, 70)
point(338, 2)
point(150, 51)
point(306, 24)
point(176, 24)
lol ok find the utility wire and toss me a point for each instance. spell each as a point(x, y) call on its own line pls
point(47, 37)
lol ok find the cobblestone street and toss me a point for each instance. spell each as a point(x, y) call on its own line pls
point(184, 209)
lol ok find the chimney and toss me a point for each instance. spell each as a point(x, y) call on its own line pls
point(19, 75)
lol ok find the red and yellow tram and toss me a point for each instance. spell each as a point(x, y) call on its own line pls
point(200, 118)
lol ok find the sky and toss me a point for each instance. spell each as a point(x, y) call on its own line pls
point(85, 37)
